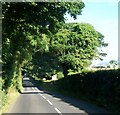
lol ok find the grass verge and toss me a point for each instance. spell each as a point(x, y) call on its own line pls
point(10, 99)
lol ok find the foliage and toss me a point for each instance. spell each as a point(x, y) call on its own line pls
point(44, 65)
point(76, 45)
point(73, 48)
point(113, 63)
point(25, 25)
point(60, 75)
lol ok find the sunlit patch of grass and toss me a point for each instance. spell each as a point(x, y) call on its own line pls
point(47, 81)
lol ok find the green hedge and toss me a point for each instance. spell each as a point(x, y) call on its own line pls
point(101, 87)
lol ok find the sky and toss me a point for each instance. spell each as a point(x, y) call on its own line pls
point(103, 15)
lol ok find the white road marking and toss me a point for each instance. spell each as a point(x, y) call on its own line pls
point(44, 97)
point(36, 89)
point(49, 102)
point(40, 94)
point(26, 89)
point(32, 88)
point(49, 95)
point(58, 110)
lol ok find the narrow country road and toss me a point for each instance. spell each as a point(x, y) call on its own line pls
point(34, 100)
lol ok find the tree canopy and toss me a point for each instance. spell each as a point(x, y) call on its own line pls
point(24, 25)
point(76, 45)
point(35, 35)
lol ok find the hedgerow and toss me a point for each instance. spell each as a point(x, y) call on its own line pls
point(101, 87)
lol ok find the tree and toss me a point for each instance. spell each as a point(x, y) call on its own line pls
point(76, 45)
point(23, 27)
point(113, 63)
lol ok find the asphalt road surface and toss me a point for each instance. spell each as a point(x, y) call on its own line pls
point(34, 100)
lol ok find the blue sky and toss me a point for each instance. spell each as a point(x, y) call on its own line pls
point(103, 15)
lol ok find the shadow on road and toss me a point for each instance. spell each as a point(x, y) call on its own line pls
point(90, 109)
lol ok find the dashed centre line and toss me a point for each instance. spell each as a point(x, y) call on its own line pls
point(32, 88)
point(58, 110)
point(49, 102)
point(44, 97)
point(40, 94)
point(36, 89)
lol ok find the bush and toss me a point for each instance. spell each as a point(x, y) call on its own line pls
point(60, 75)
